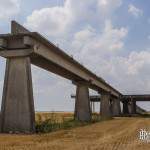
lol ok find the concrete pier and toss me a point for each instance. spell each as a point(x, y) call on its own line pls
point(116, 109)
point(17, 111)
point(82, 104)
point(133, 107)
point(105, 108)
point(125, 107)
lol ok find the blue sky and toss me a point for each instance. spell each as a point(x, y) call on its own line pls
point(110, 37)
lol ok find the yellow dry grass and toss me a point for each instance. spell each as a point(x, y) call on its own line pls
point(117, 134)
point(57, 116)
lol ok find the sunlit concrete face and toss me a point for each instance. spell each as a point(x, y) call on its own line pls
point(105, 107)
point(17, 113)
point(82, 104)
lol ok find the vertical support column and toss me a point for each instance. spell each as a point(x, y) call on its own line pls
point(111, 105)
point(91, 103)
point(116, 109)
point(17, 110)
point(82, 104)
point(125, 107)
point(133, 107)
point(105, 109)
point(93, 107)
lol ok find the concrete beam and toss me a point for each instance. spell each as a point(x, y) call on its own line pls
point(105, 107)
point(55, 55)
point(16, 53)
point(17, 111)
point(82, 104)
point(93, 98)
point(144, 97)
point(47, 55)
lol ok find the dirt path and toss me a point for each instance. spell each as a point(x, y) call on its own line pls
point(117, 134)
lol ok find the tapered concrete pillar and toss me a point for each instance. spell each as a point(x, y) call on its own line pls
point(133, 107)
point(82, 104)
point(17, 110)
point(105, 107)
point(116, 109)
point(111, 105)
point(125, 107)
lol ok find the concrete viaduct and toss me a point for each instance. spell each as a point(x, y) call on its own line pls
point(21, 48)
point(128, 101)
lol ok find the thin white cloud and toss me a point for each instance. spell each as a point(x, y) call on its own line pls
point(133, 10)
point(89, 43)
point(109, 5)
point(99, 52)
point(148, 37)
point(58, 20)
point(52, 21)
point(9, 8)
point(131, 74)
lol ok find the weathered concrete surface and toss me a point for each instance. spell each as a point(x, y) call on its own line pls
point(17, 102)
point(116, 109)
point(82, 104)
point(105, 107)
point(144, 97)
point(133, 107)
point(17, 110)
point(125, 107)
point(17, 28)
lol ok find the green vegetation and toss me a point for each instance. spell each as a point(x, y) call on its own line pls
point(52, 124)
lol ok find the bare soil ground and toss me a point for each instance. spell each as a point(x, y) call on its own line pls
point(116, 134)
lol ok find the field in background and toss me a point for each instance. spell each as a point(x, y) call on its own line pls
point(58, 116)
point(117, 134)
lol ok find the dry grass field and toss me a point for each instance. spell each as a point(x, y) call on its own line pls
point(116, 134)
point(58, 116)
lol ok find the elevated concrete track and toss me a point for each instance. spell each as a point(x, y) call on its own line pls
point(22, 48)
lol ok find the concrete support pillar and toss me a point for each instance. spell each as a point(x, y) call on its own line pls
point(116, 109)
point(93, 107)
point(111, 105)
point(82, 104)
point(125, 107)
point(133, 107)
point(105, 107)
point(17, 110)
